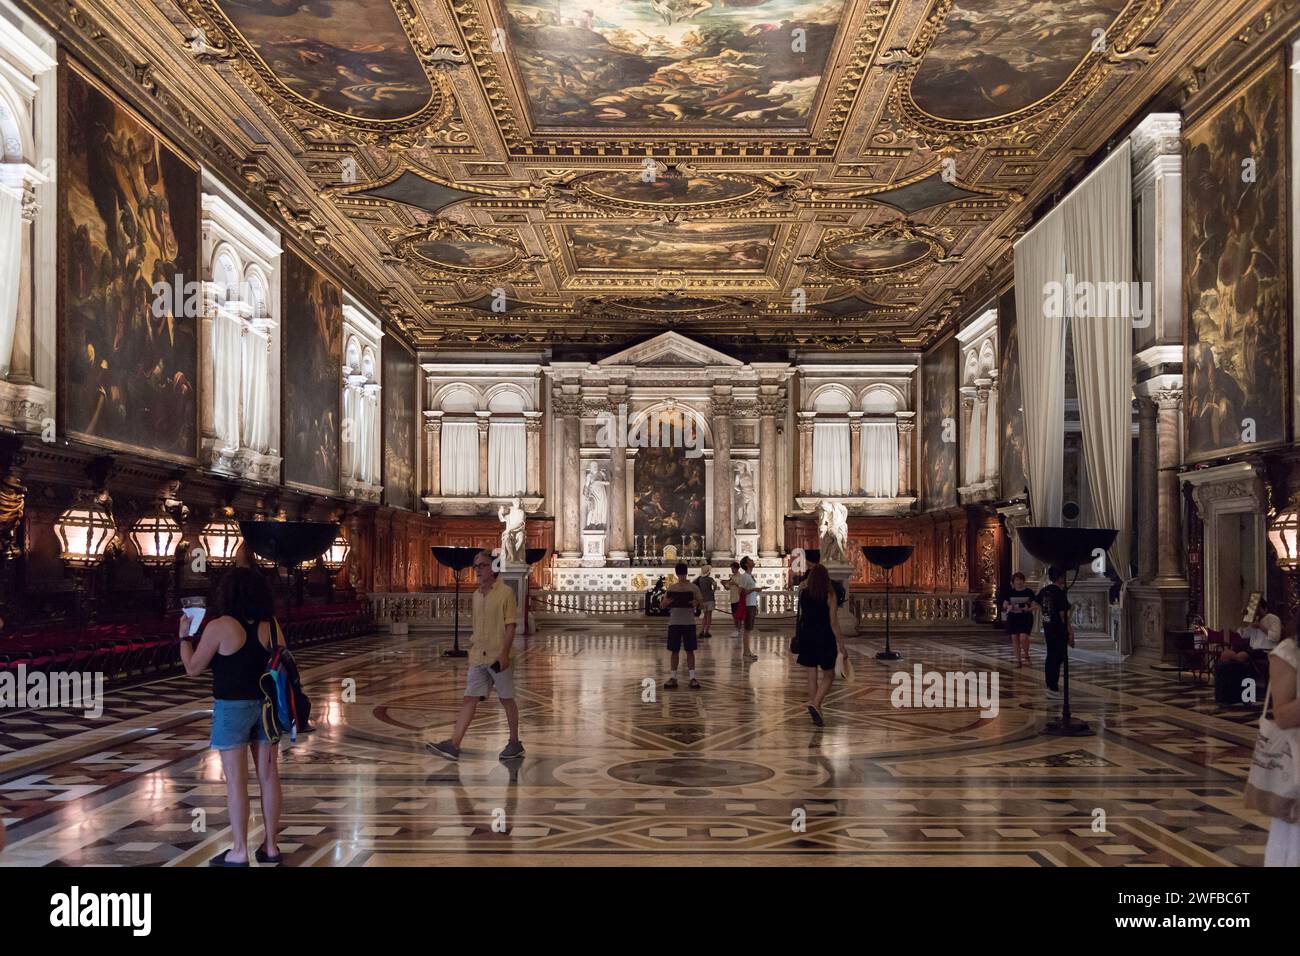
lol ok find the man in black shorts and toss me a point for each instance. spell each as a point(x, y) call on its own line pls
point(682, 598)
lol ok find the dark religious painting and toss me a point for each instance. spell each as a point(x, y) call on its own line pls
point(939, 427)
point(697, 246)
point(994, 57)
point(1235, 270)
point(1012, 446)
point(465, 254)
point(668, 190)
point(670, 64)
point(350, 57)
point(880, 254)
point(669, 496)
point(313, 387)
point(923, 194)
point(400, 403)
point(129, 219)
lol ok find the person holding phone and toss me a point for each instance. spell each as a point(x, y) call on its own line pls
point(681, 599)
point(496, 613)
point(749, 599)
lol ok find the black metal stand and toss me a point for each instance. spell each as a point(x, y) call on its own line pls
point(1066, 725)
point(888, 654)
point(455, 650)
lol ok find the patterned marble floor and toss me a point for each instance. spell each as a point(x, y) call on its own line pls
point(733, 773)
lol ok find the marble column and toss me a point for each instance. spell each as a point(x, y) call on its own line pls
point(484, 425)
point(906, 428)
point(979, 433)
point(1147, 482)
point(805, 426)
point(618, 505)
point(1169, 559)
point(533, 426)
point(569, 410)
point(723, 406)
point(966, 467)
point(855, 453)
point(992, 466)
point(770, 407)
point(433, 454)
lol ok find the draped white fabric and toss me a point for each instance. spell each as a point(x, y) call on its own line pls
point(227, 367)
point(348, 433)
point(1098, 251)
point(257, 393)
point(880, 459)
point(974, 443)
point(831, 448)
point(11, 263)
point(1040, 260)
point(459, 465)
point(507, 459)
point(361, 411)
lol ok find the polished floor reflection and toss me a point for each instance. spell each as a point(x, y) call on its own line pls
point(731, 773)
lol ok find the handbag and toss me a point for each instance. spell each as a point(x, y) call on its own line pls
point(798, 622)
point(1273, 785)
point(844, 668)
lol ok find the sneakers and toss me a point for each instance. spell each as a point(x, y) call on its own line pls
point(670, 683)
point(445, 749)
point(751, 657)
point(513, 749)
point(694, 684)
point(1053, 693)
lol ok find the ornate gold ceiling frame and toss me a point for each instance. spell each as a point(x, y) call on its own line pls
point(937, 240)
point(826, 197)
point(227, 44)
point(405, 245)
point(1022, 126)
point(570, 196)
point(503, 90)
point(349, 193)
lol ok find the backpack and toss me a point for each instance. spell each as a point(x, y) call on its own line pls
point(280, 712)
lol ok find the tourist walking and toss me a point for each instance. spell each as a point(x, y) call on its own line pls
point(496, 613)
point(682, 599)
point(819, 638)
point(1271, 786)
point(1058, 633)
point(733, 598)
point(749, 598)
point(1018, 605)
point(708, 590)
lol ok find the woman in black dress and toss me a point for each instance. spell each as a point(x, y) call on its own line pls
point(820, 641)
point(1019, 608)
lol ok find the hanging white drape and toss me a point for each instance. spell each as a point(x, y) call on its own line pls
point(363, 411)
point(880, 459)
point(257, 393)
point(831, 449)
point(348, 443)
point(11, 270)
point(227, 366)
point(459, 465)
point(507, 459)
point(1098, 251)
point(1040, 261)
point(974, 443)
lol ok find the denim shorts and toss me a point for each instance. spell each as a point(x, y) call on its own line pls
point(236, 723)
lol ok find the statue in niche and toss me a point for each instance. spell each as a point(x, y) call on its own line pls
point(595, 493)
point(833, 530)
point(745, 497)
point(513, 537)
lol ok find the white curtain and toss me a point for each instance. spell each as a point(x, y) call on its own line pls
point(507, 459)
point(831, 444)
point(257, 393)
point(11, 270)
point(1040, 260)
point(459, 458)
point(364, 412)
point(880, 459)
point(227, 365)
point(348, 442)
point(1098, 250)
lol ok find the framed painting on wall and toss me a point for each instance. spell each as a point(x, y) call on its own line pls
point(1012, 445)
point(312, 375)
point(939, 427)
point(129, 275)
point(1235, 267)
point(400, 412)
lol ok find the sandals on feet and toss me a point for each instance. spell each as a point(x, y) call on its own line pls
point(264, 857)
point(220, 860)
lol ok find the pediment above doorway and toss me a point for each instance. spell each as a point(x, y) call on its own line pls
point(671, 350)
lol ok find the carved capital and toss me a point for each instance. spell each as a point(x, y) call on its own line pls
point(1169, 399)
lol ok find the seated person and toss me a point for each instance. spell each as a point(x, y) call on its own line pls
point(1248, 657)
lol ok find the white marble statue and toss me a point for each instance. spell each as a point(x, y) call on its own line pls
point(746, 510)
point(833, 530)
point(513, 537)
point(595, 492)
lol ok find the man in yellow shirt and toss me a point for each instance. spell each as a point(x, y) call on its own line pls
point(495, 614)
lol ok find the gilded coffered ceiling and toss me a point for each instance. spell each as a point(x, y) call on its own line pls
point(506, 173)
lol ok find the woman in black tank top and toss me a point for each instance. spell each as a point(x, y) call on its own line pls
point(245, 618)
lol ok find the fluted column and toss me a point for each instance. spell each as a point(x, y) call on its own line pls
point(980, 428)
point(484, 424)
point(1147, 494)
point(433, 454)
point(618, 504)
point(906, 426)
point(568, 409)
point(533, 427)
point(992, 464)
point(769, 408)
point(967, 413)
point(1169, 558)
point(723, 546)
point(855, 453)
point(805, 426)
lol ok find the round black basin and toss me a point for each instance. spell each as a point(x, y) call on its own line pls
point(887, 555)
point(1066, 548)
point(458, 559)
point(289, 542)
point(533, 555)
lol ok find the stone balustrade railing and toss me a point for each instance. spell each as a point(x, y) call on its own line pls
point(423, 608)
point(632, 603)
point(914, 609)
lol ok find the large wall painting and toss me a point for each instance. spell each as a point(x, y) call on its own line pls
point(669, 497)
point(313, 384)
point(129, 220)
point(939, 438)
point(1235, 270)
point(1012, 445)
point(673, 64)
point(399, 398)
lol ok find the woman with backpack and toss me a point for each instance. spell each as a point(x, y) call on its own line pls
point(238, 644)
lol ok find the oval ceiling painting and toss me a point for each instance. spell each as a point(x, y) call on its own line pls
point(991, 58)
point(878, 255)
point(350, 57)
point(628, 187)
point(668, 305)
point(464, 254)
